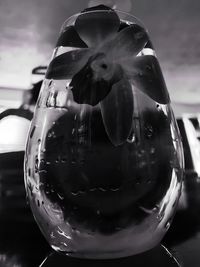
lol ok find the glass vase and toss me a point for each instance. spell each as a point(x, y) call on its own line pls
point(104, 160)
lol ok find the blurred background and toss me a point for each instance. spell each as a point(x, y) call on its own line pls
point(29, 29)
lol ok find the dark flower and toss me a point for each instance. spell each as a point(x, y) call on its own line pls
point(107, 61)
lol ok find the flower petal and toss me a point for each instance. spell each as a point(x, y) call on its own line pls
point(117, 112)
point(147, 76)
point(70, 38)
point(92, 83)
point(66, 65)
point(97, 8)
point(97, 26)
point(128, 43)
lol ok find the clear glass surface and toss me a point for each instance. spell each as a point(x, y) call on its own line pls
point(104, 160)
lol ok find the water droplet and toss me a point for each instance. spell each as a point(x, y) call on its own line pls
point(52, 235)
point(149, 181)
point(102, 189)
point(149, 131)
point(64, 244)
point(148, 67)
point(73, 131)
point(140, 74)
point(92, 189)
point(61, 197)
point(115, 189)
point(158, 107)
point(50, 83)
point(51, 135)
point(167, 225)
point(142, 164)
point(37, 188)
point(152, 150)
point(39, 141)
point(156, 208)
point(175, 203)
point(32, 131)
point(36, 164)
point(81, 129)
point(82, 191)
point(75, 193)
point(175, 140)
point(138, 181)
point(160, 216)
point(147, 210)
point(131, 138)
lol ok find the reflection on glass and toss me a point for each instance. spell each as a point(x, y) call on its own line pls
point(104, 159)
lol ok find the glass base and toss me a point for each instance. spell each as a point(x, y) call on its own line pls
point(158, 256)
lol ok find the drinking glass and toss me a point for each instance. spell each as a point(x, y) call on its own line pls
point(104, 160)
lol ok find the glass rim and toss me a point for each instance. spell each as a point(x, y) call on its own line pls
point(72, 17)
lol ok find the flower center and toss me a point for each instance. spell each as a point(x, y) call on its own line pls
point(102, 68)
